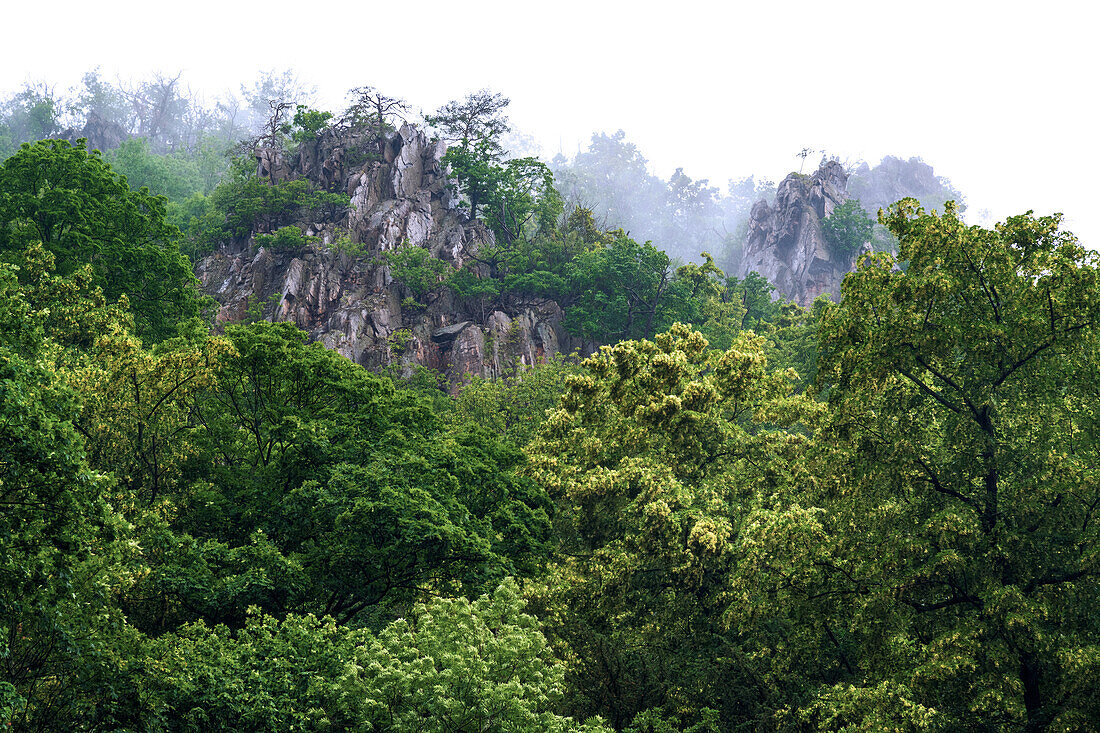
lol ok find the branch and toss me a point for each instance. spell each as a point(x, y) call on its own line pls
point(950, 383)
point(1055, 579)
point(1035, 352)
point(934, 480)
point(953, 601)
point(931, 392)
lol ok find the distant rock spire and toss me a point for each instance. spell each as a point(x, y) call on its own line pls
point(784, 242)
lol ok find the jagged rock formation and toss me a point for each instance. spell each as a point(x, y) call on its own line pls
point(894, 179)
point(785, 243)
point(349, 302)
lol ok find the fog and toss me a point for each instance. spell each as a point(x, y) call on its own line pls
point(178, 140)
point(999, 101)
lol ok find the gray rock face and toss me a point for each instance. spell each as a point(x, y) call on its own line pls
point(350, 303)
point(784, 241)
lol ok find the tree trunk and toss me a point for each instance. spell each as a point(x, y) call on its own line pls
point(1029, 676)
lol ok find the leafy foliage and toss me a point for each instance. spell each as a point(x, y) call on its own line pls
point(248, 531)
point(462, 666)
point(454, 665)
point(80, 210)
point(30, 114)
point(516, 407)
point(251, 204)
point(308, 123)
point(959, 387)
point(65, 550)
point(517, 197)
point(288, 237)
point(353, 484)
point(658, 458)
point(177, 177)
point(475, 123)
point(618, 290)
point(416, 269)
point(848, 228)
point(244, 204)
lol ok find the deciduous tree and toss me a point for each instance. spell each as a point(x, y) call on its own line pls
point(659, 461)
point(71, 201)
point(963, 391)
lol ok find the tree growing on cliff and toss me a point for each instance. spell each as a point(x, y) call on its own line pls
point(374, 113)
point(473, 129)
point(517, 196)
point(478, 122)
point(847, 228)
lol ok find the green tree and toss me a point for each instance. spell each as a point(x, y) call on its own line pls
point(691, 215)
point(475, 172)
point(175, 176)
point(755, 292)
point(416, 269)
point(84, 213)
point(99, 100)
point(463, 667)
point(31, 114)
point(521, 199)
point(272, 675)
point(618, 291)
point(136, 413)
point(700, 297)
point(513, 408)
point(848, 228)
point(963, 395)
point(661, 458)
point(516, 196)
point(65, 549)
point(316, 486)
point(308, 124)
point(244, 204)
point(476, 123)
point(453, 665)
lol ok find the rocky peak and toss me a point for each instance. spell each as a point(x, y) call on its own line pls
point(785, 243)
point(350, 302)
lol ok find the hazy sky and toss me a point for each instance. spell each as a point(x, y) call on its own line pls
point(1000, 97)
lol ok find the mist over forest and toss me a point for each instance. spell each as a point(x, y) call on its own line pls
point(369, 418)
point(192, 133)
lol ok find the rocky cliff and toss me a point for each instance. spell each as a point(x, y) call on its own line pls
point(346, 298)
point(785, 243)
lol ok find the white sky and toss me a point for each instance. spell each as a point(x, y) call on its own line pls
point(1000, 97)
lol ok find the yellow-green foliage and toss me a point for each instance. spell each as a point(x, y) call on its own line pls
point(660, 453)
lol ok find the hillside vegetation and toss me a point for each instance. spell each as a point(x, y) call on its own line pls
point(735, 514)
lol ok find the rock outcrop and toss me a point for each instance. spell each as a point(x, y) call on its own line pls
point(785, 243)
point(348, 299)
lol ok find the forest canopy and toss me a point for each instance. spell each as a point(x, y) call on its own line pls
point(733, 513)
